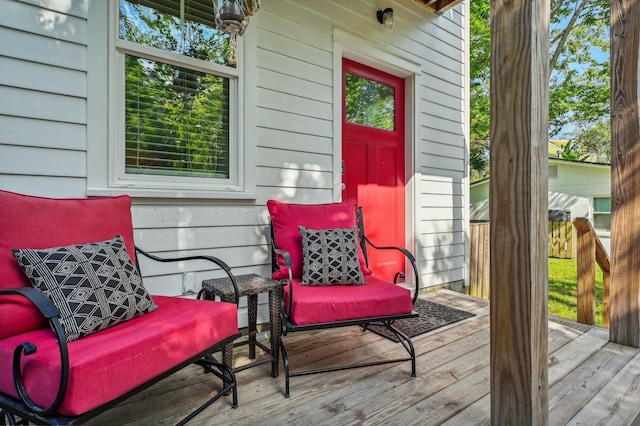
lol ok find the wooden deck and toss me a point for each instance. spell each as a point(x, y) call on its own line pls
point(591, 381)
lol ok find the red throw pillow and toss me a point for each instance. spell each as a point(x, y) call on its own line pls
point(286, 217)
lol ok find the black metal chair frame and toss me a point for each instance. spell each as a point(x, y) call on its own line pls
point(384, 321)
point(27, 411)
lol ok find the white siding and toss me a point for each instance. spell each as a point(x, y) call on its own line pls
point(572, 189)
point(43, 116)
point(295, 64)
point(42, 99)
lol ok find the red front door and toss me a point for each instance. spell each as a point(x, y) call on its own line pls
point(373, 158)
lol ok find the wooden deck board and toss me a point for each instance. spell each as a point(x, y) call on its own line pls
point(575, 389)
point(617, 402)
point(591, 381)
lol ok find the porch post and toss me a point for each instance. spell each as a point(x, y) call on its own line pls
point(625, 173)
point(518, 211)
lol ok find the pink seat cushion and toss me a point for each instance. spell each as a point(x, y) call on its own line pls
point(286, 217)
point(112, 362)
point(318, 304)
point(38, 222)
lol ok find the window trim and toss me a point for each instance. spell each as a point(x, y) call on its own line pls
point(105, 120)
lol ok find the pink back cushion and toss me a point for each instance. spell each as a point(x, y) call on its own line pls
point(286, 217)
point(38, 222)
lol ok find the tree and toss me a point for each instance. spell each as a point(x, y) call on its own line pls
point(572, 152)
point(579, 75)
point(591, 143)
point(480, 45)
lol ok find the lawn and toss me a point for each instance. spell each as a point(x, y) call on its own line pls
point(563, 289)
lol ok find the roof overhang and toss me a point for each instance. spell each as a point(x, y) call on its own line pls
point(438, 6)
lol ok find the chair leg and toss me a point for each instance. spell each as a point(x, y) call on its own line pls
point(7, 418)
point(229, 385)
point(285, 362)
point(407, 343)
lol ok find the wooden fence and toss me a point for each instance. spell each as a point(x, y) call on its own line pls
point(479, 262)
point(561, 240)
point(561, 245)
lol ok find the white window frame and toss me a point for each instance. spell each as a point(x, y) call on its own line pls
point(105, 122)
point(592, 199)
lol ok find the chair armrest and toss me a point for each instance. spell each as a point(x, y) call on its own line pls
point(409, 257)
point(51, 312)
point(288, 263)
point(215, 260)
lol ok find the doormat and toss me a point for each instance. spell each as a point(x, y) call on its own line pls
point(432, 315)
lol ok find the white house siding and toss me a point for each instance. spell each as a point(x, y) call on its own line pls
point(574, 188)
point(571, 190)
point(43, 122)
point(43, 98)
point(296, 107)
point(443, 152)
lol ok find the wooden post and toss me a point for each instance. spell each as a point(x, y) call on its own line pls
point(590, 250)
point(625, 173)
point(518, 211)
point(606, 306)
point(586, 275)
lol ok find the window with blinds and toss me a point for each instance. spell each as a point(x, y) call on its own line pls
point(177, 100)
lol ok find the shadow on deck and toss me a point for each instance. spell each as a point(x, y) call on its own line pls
point(591, 381)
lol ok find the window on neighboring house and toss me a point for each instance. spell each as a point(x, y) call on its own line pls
point(176, 96)
point(602, 212)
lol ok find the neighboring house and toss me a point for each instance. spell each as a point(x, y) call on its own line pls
point(580, 188)
point(91, 102)
point(555, 147)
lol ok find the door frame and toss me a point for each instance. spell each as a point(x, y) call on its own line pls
point(379, 56)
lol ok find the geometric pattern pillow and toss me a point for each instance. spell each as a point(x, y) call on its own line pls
point(330, 257)
point(94, 285)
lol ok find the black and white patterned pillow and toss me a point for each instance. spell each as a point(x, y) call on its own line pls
point(94, 285)
point(330, 257)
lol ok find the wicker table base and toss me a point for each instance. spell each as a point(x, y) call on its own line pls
point(250, 285)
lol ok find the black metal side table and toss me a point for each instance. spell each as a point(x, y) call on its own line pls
point(250, 285)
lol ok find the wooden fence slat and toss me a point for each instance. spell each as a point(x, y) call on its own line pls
point(479, 263)
point(560, 241)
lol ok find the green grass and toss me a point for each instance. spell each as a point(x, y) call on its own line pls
point(563, 289)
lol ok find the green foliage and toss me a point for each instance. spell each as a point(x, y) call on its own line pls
point(369, 103)
point(595, 141)
point(571, 151)
point(563, 289)
point(480, 47)
point(579, 81)
point(176, 117)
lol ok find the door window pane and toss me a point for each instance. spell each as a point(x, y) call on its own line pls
point(369, 103)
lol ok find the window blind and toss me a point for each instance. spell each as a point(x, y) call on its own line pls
point(176, 118)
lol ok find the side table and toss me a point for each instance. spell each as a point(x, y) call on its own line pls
point(250, 285)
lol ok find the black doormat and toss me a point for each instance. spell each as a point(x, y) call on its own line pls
point(432, 315)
